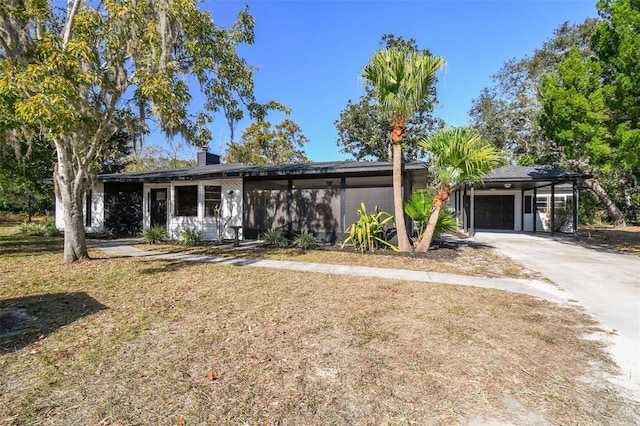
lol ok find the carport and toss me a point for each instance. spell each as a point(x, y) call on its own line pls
point(507, 198)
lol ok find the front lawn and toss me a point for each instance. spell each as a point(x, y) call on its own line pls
point(138, 341)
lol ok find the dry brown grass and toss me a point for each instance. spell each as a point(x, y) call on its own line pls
point(137, 341)
point(626, 240)
point(461, 257)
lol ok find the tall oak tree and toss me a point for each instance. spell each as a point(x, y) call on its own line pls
point(78, 75)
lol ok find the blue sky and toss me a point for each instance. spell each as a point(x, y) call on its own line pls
point(310, 53)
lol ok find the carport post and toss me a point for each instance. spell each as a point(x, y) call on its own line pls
point(535, 209)
point(343, 204)
point(575, 210)
point(522, 209)
point(553, 209)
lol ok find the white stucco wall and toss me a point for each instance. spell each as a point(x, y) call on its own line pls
point(231, 208)
point(97, 207)
point(97, 210)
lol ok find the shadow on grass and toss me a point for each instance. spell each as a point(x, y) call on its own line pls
point(166, 265)
point(21, 245)
point(24, 320)
point(161, 266)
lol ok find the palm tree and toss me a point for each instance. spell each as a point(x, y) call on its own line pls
point(418, 208)
point(459, 156)
point(401, 79)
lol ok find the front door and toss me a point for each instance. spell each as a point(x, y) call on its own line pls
point(159, 207)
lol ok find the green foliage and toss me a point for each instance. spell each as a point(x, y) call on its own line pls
point(262, 144)
point(154, 235)
point(401, 78)
point(460, 155)
point(153, 157)
point(105, 66)
point(418, 208)
point(371, 231)
point(275, 237)
point(616, 44)
point(574, 110)
point(305, 241)
point(191, 237)
point(561, 219)
point(40, 229)
point(363, 130)
point(24, 168)
point(506, 113)
point(117, 152)
point(103, 233)
point(591, 106)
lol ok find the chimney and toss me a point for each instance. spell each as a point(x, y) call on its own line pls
point(205, 158)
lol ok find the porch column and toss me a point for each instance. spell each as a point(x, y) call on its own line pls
point(535, 209)
point(522, 205)
point(343, 205)
point(472, 230)
point(456, 205)
point(289, 202)
point(465, 227)
point(575, 210)
point(553, 209)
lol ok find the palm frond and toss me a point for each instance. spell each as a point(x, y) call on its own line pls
point(401, 79)
point(460, 155)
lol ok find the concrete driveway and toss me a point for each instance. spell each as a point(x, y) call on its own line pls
point(605, 283)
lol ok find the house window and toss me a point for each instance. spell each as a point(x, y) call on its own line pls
point(560, 202)
point(212, 200)
point(528, 203)
point(542, 204)
point(186, 200)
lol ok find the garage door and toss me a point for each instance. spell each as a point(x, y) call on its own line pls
point(494, 212)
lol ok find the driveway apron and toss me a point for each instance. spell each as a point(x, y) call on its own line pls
point(605, 283)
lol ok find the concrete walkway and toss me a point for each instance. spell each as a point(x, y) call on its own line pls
point(536, 288)
point(605, 283)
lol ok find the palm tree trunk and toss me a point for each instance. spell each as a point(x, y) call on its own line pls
point(425, 242)
point(401, 228)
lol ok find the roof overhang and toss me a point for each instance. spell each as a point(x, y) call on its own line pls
point(527, 178)
point(302, 170)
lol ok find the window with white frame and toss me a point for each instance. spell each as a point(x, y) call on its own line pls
point(212, 200)
point(542, 203)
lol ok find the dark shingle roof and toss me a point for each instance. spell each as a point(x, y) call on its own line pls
point(530, 173)
point(244, 170)
point(528, 177)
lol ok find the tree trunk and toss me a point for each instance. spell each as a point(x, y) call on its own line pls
point(401, 228)
point(398, 127)
point(425, 242)
point(618, 218)
point(70, 190)
point(75, 243)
